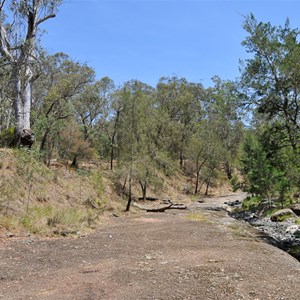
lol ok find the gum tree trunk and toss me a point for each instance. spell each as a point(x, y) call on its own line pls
point(22, 105)
point(22, 55)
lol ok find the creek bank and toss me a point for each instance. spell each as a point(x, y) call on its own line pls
point(285, 234)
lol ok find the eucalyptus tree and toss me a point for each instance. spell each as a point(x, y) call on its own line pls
point(19, 24)
point(133, 138)
point(58, 89)
point(112, 124)
point(180, 104)
point(91, 107)
point(225, 118)
point(201, 149)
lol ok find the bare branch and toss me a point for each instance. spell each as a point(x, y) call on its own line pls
point(45, 18)
point(2, 4)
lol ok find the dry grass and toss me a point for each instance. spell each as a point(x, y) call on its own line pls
point(42, 200)
point(197, 217)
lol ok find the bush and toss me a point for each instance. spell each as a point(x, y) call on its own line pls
point(7, 137)
point(251, 203)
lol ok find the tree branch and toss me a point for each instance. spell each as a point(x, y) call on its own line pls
point(4, 45)
point(2, 4)
point(45, 18)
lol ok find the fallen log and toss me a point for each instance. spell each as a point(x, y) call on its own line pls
point(148, 198)
point(161, 209)
point(178, 206)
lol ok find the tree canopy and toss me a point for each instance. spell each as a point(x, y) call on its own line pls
point(145, 132)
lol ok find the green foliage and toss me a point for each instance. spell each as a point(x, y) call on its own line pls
point(7, 137)
point(251, 203)
point(272, 76)
point(260, 174)
point(97, 181)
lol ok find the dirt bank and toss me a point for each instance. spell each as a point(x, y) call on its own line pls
point(200, 253)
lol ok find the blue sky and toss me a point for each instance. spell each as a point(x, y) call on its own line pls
point(148, 39)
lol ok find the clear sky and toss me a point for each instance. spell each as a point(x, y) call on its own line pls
point(148, 39)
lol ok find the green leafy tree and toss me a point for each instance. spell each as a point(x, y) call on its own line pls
point(224, 115)
point(62, 81)
point(179, 103)
point(271, 79)
point(135, 150)
point(272, 76)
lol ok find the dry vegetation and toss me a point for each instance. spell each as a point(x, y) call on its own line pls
point(54, 200)
point(59, 200)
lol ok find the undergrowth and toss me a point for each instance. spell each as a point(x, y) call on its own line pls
point(49, 219)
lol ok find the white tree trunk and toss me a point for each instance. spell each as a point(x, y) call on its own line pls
point(22, 105)
point(21, 57)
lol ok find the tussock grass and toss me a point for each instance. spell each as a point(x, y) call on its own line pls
point(46, 220)
point(197, 217)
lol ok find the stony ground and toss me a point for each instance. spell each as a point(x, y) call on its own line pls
point(200, 253)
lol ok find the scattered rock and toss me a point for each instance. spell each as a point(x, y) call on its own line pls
point(282, 215)
point(65, 232)
point(264, 206)
point(233, 203)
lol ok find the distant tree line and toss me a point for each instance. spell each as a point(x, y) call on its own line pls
point(57, 105)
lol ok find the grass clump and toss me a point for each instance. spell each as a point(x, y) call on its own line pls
point(297, 221)
point(197, 217)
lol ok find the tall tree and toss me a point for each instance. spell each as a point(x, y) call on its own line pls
point(225, 119)
point(134, 144)
point(179, 102)
point(58, 89)
point(272, 76)
point(18, 39)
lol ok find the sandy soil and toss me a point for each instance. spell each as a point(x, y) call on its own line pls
point(200, 253)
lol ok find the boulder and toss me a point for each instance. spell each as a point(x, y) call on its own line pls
point(293, 230)
point(296, 208)
point(282, 215)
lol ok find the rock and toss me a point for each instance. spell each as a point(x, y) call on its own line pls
point(296, 208)
point(234, 203)
point(282, 215)
point(27, 138)
point(264, 206)
point(293, 230)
